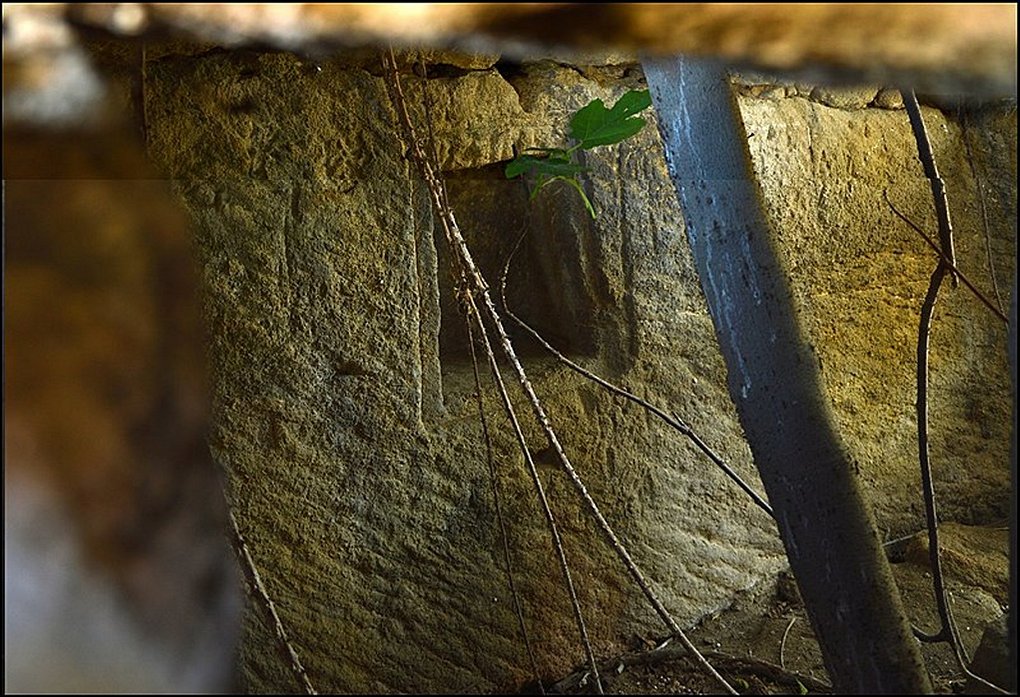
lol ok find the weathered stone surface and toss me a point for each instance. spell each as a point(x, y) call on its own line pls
point(888, 98)
point(975, 555)
point(964, 48)
point(844, 98)
point(861, 275)
point(371, 519)
point(466, 136)
point(967, 49)
point(344, 401)
point(992, 658)
point(344, 408)
point(456, 59)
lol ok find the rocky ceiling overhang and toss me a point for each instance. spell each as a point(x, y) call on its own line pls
point(941, 49)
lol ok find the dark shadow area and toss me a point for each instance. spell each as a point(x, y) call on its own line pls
point(492, 213)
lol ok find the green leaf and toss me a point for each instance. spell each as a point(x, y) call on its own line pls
point(549, 166)
point(595, 125)
point(520, 165)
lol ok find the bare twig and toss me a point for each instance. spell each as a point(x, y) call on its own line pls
point(938, 187)
point(258, 590)
point(476, 286)
point(674, 421)
point(504, 536)
point(948, 631)
point(499, 509)
point(533, 471)
point(472, 283)
point(931, 243)
point(771, 671)
point(782, 644)
point(984, 209)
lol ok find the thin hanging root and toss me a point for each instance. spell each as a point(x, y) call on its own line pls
point(465, 266)
point(477, 286)
point(533, 471)
point(674, 421)
point(948, 631)
point(257, 589)
point(499, 509)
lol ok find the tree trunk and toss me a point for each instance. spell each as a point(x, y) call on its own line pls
point(830, 538)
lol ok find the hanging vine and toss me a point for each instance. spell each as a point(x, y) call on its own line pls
point(473, 289)
point(948, 631)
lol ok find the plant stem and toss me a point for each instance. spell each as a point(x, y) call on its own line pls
point(471, 284)
point(674, 421)
point(476, 285)
point(504, 536)
point(948, 631)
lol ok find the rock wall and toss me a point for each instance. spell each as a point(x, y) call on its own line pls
point(861, 274)
point(344, 407)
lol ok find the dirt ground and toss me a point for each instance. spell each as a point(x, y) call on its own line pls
point(763, 644)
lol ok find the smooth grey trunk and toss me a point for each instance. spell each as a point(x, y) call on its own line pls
point(826, 526)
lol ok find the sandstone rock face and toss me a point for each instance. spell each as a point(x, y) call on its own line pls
point(861, 275)
point(344, 407)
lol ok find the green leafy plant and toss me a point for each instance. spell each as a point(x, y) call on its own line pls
point(592, 126)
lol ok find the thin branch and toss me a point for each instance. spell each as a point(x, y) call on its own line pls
point(674, 421)
point(931, 243)
point(782, 644)
point(923, 340)
point(984, 209)
point(938, 187)
point(948, 630)
point(771, 671)
point(536, 480)
point(471, 283)
point(499, 509)
point(504, 535)
point(493, 480)
point(257, 589)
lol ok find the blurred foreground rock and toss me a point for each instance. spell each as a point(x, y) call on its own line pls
point(117, 573)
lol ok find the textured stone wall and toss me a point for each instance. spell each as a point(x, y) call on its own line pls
point(343, 392)
point(861, 274)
